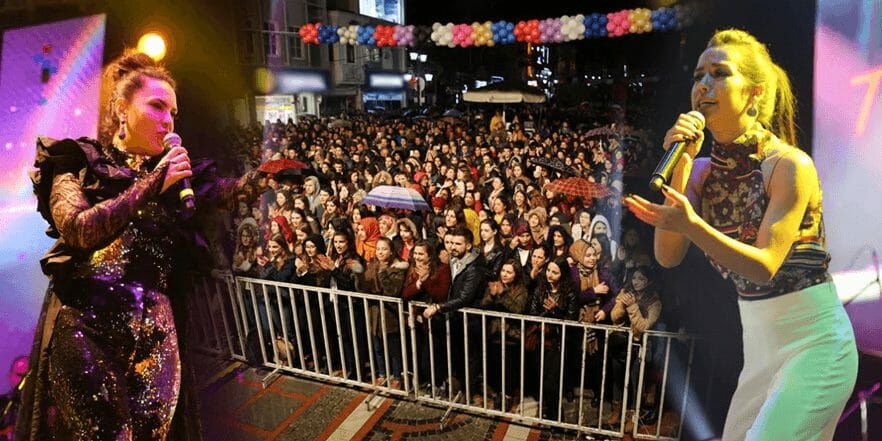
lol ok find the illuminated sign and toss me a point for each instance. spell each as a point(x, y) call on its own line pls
point(871, 78)
point(385, 81)
point(301, 81)
point(389, 10)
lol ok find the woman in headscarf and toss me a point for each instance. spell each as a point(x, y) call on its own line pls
point(279, 225)
point(597, 288)
point(368, 233)
point(600, 225)
point(537, 219)
point(245, 255)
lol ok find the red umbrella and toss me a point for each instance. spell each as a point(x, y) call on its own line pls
point(580, 187)
point(275, 166)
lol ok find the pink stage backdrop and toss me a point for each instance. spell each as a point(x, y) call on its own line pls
point(848, 152)
point(49, 81)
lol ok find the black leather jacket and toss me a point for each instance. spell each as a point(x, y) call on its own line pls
point(467, 287)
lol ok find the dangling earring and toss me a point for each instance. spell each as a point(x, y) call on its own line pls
point(122, 128)
point(751, 112)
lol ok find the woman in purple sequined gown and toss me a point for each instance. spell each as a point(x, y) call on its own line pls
point(107, 364)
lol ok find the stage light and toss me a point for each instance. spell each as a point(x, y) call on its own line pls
point(153, 45)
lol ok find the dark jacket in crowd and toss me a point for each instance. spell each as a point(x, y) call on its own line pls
point(495, 258)
point(468, 284)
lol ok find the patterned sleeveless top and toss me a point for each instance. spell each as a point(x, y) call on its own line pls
point(734, 200)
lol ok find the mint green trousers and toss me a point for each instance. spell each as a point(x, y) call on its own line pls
point(800, 367)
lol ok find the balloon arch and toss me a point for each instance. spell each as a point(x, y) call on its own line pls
point(490, 33)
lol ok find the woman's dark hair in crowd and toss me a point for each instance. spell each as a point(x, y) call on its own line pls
point(648, 271)
point(518, 270)
point(512, 220)
point(341, 224)
point(318, 241)
point(456, 203)
point(304, 228)
point(486, 212)
point(389, 243)
point(568, 240)
point(302, 213)
point(605, 248)
point(430, 250)
point(497, 239)
point(350, 245)
point(457, 212)
point(566, 283)
point(283, 244)
point(289, 200)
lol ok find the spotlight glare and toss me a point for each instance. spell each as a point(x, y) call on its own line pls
point(153, 45)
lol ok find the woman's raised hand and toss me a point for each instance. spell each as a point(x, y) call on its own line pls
point(688, 127)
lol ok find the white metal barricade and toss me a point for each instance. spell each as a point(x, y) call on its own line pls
point(535, 370)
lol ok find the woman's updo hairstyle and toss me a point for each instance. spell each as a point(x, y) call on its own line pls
point(776, 108)
point(121, 79)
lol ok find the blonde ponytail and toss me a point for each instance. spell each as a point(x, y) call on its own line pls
point(776, 107)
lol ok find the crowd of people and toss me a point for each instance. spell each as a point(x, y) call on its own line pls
point(494, 237)
point(492, 234)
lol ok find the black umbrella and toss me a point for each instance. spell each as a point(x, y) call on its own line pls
point(555, 164)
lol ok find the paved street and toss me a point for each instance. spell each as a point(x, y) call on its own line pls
point(237, 408)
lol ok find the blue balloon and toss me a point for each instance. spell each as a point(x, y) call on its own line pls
point(595, 25)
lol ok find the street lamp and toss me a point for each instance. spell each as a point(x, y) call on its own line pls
point(418, 59)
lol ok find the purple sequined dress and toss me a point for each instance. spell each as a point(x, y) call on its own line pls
point(108, 365)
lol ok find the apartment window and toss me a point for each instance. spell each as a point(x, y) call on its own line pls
point(314, 13)
point(350, 54)
point(247, 47)
point(270, 39)
point(295, 43)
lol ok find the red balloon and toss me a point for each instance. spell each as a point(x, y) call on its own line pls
point(309, 33)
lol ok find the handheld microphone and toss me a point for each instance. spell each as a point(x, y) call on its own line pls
point(188, 198)
point(662, 174)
